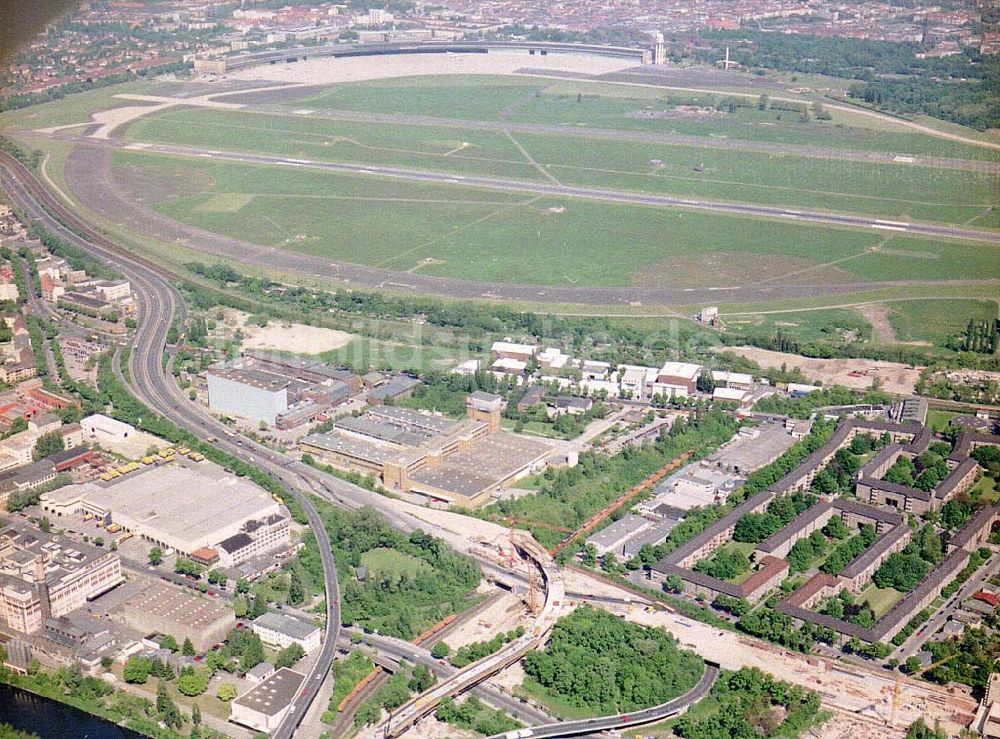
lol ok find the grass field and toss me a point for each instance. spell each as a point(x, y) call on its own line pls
point(74, 108)
point(456, 231)
point(822, 325)
point(880, 599)
point(392, 565)
point(936, 320)
point(889, 190)
point(623, 107)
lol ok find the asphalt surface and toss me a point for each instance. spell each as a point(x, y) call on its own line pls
point(623, 720)
point(95, 185)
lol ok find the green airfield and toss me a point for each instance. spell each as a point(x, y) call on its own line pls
point(636, 107)
point(455, 231)
point(899, 192)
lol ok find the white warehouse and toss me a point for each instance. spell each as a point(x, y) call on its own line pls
point(248, 394)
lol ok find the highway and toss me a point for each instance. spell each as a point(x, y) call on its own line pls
point(620, 721)
point(159, 303)
point(538, 629)
point(397, 650)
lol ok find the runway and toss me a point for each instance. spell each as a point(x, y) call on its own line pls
point(92, 180)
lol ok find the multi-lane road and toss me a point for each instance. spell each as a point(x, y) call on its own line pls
point(159, 304)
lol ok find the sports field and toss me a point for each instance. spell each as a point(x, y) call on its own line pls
point(896, 191)
point(455, 231)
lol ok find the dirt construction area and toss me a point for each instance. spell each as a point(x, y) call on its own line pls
point(295, 338)
point(858, 374)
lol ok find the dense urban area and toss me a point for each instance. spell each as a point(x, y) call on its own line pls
point(505, 369)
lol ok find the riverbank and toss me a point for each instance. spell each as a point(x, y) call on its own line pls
point(48, 718)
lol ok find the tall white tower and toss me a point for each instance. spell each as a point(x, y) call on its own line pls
point(659, 50)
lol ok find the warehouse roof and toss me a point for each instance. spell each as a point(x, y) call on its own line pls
point(273, 695)
point(287, 625)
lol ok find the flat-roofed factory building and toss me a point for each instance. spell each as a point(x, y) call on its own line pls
point(258, 396)
point(446, 461)
point(264, 706)
point(154, 606)
point(186, 508)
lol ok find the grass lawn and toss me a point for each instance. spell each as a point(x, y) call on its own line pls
point(938, 420)
point(75, 108)
point(392, 564)
point(880, 599)
point(890, 190)
point(936, 320)
point(474, 97)
point(456, 231)
point(820, 325)
point(363, 353)
point(557, 706)
point(985, 491)
point(605, 105)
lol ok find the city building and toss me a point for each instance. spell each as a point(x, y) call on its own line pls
point(46, 575)
point(278, 630)
point(677, 380)
point(454, 462)
point(155, 606)
point(184, 508)
point(256, 396)
point(264, 706)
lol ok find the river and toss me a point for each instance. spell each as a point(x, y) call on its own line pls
point(52, 720)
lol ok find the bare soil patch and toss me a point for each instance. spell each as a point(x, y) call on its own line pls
point(294, 338)
point(858, 374)
point(877, 315)
point(732, 269)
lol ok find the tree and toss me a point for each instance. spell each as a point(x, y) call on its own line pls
point(673, 584)
point(136, 670)
point(169, 642)
point(589, 557)
point(195, 714)
point(296, 593)
point(47, 444)
point(421, 680)
point(192, 682)
point(226, 692)
point(188, 567)
point(155, 556)
point(166, 708)
point(45, 524)
point(901, 571)
point(289, 655)
point(239, 606)
point(911, 665)
point(440, 650)
point(106, 663)
point(218, 577)
point(920, 730)
point(188, 649)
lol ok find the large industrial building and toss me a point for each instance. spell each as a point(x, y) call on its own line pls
point(280, 391)
point(185, 508)
point(46, 576)
point(456, 462)
point(157, 607)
